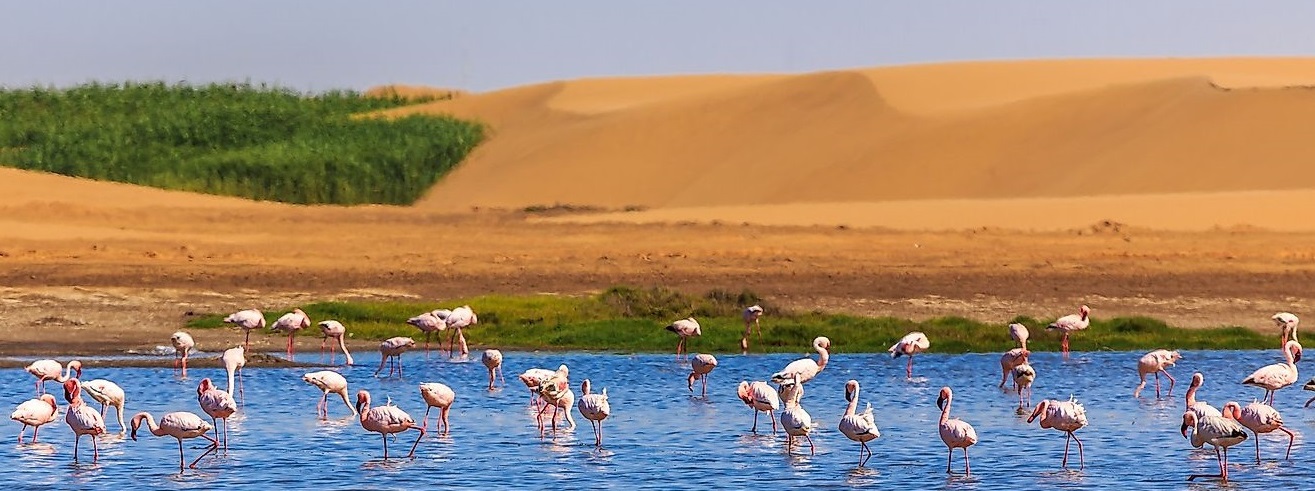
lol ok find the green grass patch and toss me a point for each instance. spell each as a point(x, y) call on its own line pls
point(632, 319)
point(253, 141)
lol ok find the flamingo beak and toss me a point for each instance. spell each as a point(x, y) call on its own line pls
point(940, 403)
point(1183, 429)
point(849, 395)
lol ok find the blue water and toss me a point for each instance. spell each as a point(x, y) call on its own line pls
point(661, 437)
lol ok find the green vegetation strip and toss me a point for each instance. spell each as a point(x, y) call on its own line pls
point(252, 141)
point(631, 320)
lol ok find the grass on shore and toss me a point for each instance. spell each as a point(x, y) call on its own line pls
point(631, 320)
point(252, 141)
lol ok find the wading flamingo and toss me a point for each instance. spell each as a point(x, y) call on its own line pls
point(386, 420)
point(82, 419)
point(909, 345)
point(45, 370)
point(807, 368)
point(292, 322)
point(1023, 376)
point(1279, 375)
point(684, 328)
point(430, 323)
point(1217, 431)
point(460, 318)
point(532, 379)
point(859, 427)
point(181, 425)
point(1019, 334)
point(956, 433)
point(1070, 323)
point(334, 329)
point(556, 392)
point(1066, 416)
point(217, 404)
point(247, 320)
point(1287, 323)
point(234, 359)
point(328, 381)
point(392, 349)
point(751, 316)
point(183, 345)
point(107, 394)
point(439, 396)
point(34, 413)
point(760, 398)
point(492, 360)
point(699, 368)
point(1260, 418)
point(1156, 362)
point(1201, 408)
point(595, 408)
point(1009, 360)
point(795, 421)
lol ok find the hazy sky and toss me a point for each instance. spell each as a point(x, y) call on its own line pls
point(485, 44)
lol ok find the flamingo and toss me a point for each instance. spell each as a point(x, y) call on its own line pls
point(1009, 360)
point(181, 425)
point(1279, 375)
point(1156, 362)
point(82, 419)
point(386, 420)
point(1287, 322)
point(700, 366)
point(1019, 334)
point(795, 421)
point(334, 329)
point(247, 320)
point(1260, 418)
point(859, 427)
point(956, 433)
point(595, 408)
point(1219, 432)
point(429, 323)
point(1309, 385)
point(439, 396)
point(1023, 375)
point(107, 394)
point(217, 404)
point(911, 344)
point(460, 318)
point(328, 381)
point(34, 413)
point(1070, 323)
point(492, 360)
point(1201, 408)
point(183, 345)
point(751, 316)
point(234, 359)
point(292, 322)
point(760, 398)
point(806, 368)
point(684, 328)
point(45, 370)
point(532, 379)
point(556, 391)
point(1066, 416)
point(392, 349)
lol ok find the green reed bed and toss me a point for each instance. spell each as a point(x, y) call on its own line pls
point(252, 141)
point(631, 320)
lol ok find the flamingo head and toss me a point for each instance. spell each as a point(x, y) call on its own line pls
point(851, 387)
point(71, 389)
point(362, 400)
point(689, 382)
point(946, 394)
point(742, 391)
point(1189, 421)
point(1295, 347)
point(76, 366)
point(1197, 380)
point(137, 424)
point(49, 399)
point(822, 342)
point(1085, 311)
point(1174, 356)
point(1232, 410)
point(205, 386)
point(584, 387)
point(1040, 408)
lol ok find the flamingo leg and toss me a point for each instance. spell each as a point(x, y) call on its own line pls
point(1004, 374)
point(20, 434)
point(1064, 463)
point(214, 447)
point(95, 450)
point(772, 415)
point(811, 449)
point(1221, 469)
point(755, 422)
point(949, 458)
point(381, 366)
point(705, 386)
point(76, 439)
point(1171, 382)
point(908, 369)
point(417, 443)
point(37, 429)
point(446, 425)
point(385, 437)
point(246, 345)
point(1157, 385)
point(967, 469)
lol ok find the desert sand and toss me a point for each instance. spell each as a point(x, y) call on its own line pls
point(1175, 188)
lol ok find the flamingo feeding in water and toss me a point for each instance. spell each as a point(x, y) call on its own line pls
point(556, 391)
point(1279, 375)
point(1219, 432)
point(595, 408)
point(909, 345)
point(183, 345)
point(1201, 408)
point(292, 322)
point(247, 320)
point(859, 427)
point(532, 379)
point(181, 425)
point(392, 349)
point(751, 316)
point(760, 398)
point(1023, 375)
point(108, 394)
point(1019, 334)
point(334, 329)
point(82, 419)
point(386, 420)
point(1070, 323)
point(684, 328)
point(806, 368)
point(1156, 362)
point(45, 370)
point(1009, 360)
point(700, 366)
point(234, 359)
point(217, 404)
point(430, 323)
point(34, 413)
point(460, 318)
point(1260, 418)
point(956, 433)
point(795, 421)
point(1287, 323)
point(328, 381)
point(492, 360)
point(439, 396)
point(1066, 416)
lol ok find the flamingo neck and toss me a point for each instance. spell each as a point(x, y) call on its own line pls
point(362, 407)
point(853, 404)
point(1023, 344)
point(1191, 396)
point(823, 356)
point(945, 413)
point(344, 350)
point(150, 423)
point(230, 379)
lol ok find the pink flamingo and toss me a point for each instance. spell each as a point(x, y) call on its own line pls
point(82, 419)
point(1009, 360)
point(1279, 375)
point(1219, 432)
point(1260, 418)
point(1287, 322)
point(34, 413)
point(45, 370)
point(328, 381)
point(532, 379)
point(292, 322)
point(181, 425)
point(1023, 375)
point(595, 408)
point(1070, 323)
point(556, 391)
point(183, 345)
point(429, 323)
point(234, 359)
point(460, 318)
point(909, 345)
point(700, 366)
point(1066, 416)
point(492, 360)
point(439, 396)
point(1019, 334)
point(247, 320)
point(795, 421)
point(217, 404)
point(392, 349)
point(1201, 408)
point(108, 394)
point(1156, 362)
point(954, 432)
point(806, 368)
point(751, 316)
point(386, 420)
point(334, 329)
point(859, 427)
point(761, 398)
point(684, 328)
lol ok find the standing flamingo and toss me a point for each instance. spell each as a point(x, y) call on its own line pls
point(806, 368)
point(909, 345)
point(34, 413)
point(761, 398)
point(684, 328)
point(1023, 375)
point(1009, 360)
point(234, 359)
point(859, 427)
point(1260, 418)
point(1156, 362)
point(45, 370)
point(557, 393)
point(439, 396)
point(532, 379)
point(328, 381)
point(700, 366)
point(751, 316)
point(795, 421)
point(1066, 416)
point(1279, 375)
point(1070, 323)
point(492, 360)
point(292, 322)
point(956, 433)
point(1219, 432)
point(392, 349)
point(181, 425)
point(1019, 334)
point(183, 345)
point(430, 323)
point(595, 408)
point(1287, 323)
point(82, 419)
point(1201, 408)
point(386, 420)
point(334, 329)
point(247, 320)
point(460, 318)
point(217, 404)
point(107, 394)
